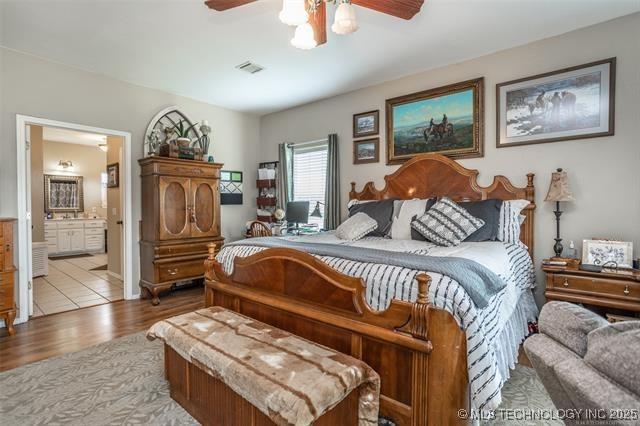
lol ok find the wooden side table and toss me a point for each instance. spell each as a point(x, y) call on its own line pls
point(617, 289)
point(7, 273)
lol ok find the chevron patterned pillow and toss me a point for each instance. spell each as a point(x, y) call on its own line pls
point(446, 223)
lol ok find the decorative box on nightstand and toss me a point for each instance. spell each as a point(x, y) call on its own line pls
point(617, 289)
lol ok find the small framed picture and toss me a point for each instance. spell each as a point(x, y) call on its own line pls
point(366, 124)
point(608, 253)
point(366, 151)
point(113, 175)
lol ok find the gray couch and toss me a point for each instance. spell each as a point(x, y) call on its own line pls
point(585, 362)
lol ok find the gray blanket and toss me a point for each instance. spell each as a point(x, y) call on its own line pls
point(478, 281)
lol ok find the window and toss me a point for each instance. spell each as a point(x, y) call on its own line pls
point(310, 176)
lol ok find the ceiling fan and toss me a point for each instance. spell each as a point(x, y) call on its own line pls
point(310, 16)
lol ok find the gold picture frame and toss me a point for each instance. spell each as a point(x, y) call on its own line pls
point(412, 128)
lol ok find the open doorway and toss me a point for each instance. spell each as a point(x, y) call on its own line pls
point(73, 226)
point(75, 219)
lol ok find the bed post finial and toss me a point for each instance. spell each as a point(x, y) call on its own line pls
point(419, 325)
point(530, 177)
point(353, 192)
point(423, 288)
point(210, 262)
point(530, 188)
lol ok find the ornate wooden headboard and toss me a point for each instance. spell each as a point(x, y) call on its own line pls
point(434, 175)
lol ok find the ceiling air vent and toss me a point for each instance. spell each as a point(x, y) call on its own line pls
point(250, 67)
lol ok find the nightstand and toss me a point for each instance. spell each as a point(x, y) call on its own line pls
point(617, 289)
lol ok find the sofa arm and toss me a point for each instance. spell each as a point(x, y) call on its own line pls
point(569, 324)
point(613, 351)
point(588, 389)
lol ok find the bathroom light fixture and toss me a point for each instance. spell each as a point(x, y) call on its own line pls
point(103, 146)
point(65, 164)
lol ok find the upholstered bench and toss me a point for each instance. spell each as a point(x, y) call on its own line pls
point(228, 369)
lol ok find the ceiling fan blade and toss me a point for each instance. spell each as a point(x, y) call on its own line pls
point(221, 5)
point(318, 21)
point(405, 9)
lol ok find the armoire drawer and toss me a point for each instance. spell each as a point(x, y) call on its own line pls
point(6, 296)
point(6, 278)
point(187, 170)
point(185, 249)
point(180, 270)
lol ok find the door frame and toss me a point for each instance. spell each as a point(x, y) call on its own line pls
point(24, 216)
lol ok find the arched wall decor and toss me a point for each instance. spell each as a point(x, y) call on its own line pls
point(165, 119)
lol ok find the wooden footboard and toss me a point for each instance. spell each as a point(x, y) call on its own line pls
point(418, 350)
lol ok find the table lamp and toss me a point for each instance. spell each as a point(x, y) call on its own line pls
point(559, 191)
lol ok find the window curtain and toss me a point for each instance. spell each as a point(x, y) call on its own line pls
point(285, 177)
point(332, 192)
point(63, 195)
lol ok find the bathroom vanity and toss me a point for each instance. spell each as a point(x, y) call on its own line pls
point(74, 236)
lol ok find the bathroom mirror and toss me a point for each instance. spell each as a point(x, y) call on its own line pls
point(63, 194)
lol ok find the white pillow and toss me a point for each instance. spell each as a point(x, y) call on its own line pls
point(356, 227)
point(401, 226)
point(509, 229)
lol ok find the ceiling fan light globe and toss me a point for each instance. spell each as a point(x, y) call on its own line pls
point(345, 21)
point(293, 12)
point(304, 37)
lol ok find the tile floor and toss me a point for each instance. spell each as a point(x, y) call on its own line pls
point(71, 284)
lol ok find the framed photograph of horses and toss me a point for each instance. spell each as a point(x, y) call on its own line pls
point(447, 120)
point(572, 103)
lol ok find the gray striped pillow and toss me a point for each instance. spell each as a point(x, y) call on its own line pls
point(446, 223)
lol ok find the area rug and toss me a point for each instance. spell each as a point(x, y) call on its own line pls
point(121, 382)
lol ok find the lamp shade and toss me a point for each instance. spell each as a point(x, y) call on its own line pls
point(294, 12)
point(559, 187)
point(304, 38)
point(345, 20)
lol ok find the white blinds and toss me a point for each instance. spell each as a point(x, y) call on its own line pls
point(310, 176)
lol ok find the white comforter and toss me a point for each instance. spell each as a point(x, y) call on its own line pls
point(487, 348)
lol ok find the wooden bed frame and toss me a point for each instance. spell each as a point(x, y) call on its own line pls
point(418, 350)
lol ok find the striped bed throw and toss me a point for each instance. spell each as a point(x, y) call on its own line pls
point(482, 326)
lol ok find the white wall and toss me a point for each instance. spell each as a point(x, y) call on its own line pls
point(604, 172)
point(40, 88)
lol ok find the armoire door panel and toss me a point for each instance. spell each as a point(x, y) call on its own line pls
point(174, 202)
point(205, 212)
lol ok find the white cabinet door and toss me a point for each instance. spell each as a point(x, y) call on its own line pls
point(77, 240)
point(64, 240)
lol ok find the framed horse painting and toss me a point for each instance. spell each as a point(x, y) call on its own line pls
point(447, 120)
point(572, 103)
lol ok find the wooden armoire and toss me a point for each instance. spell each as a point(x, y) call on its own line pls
point(180, 216)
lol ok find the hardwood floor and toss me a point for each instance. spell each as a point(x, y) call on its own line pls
point(53, 335)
